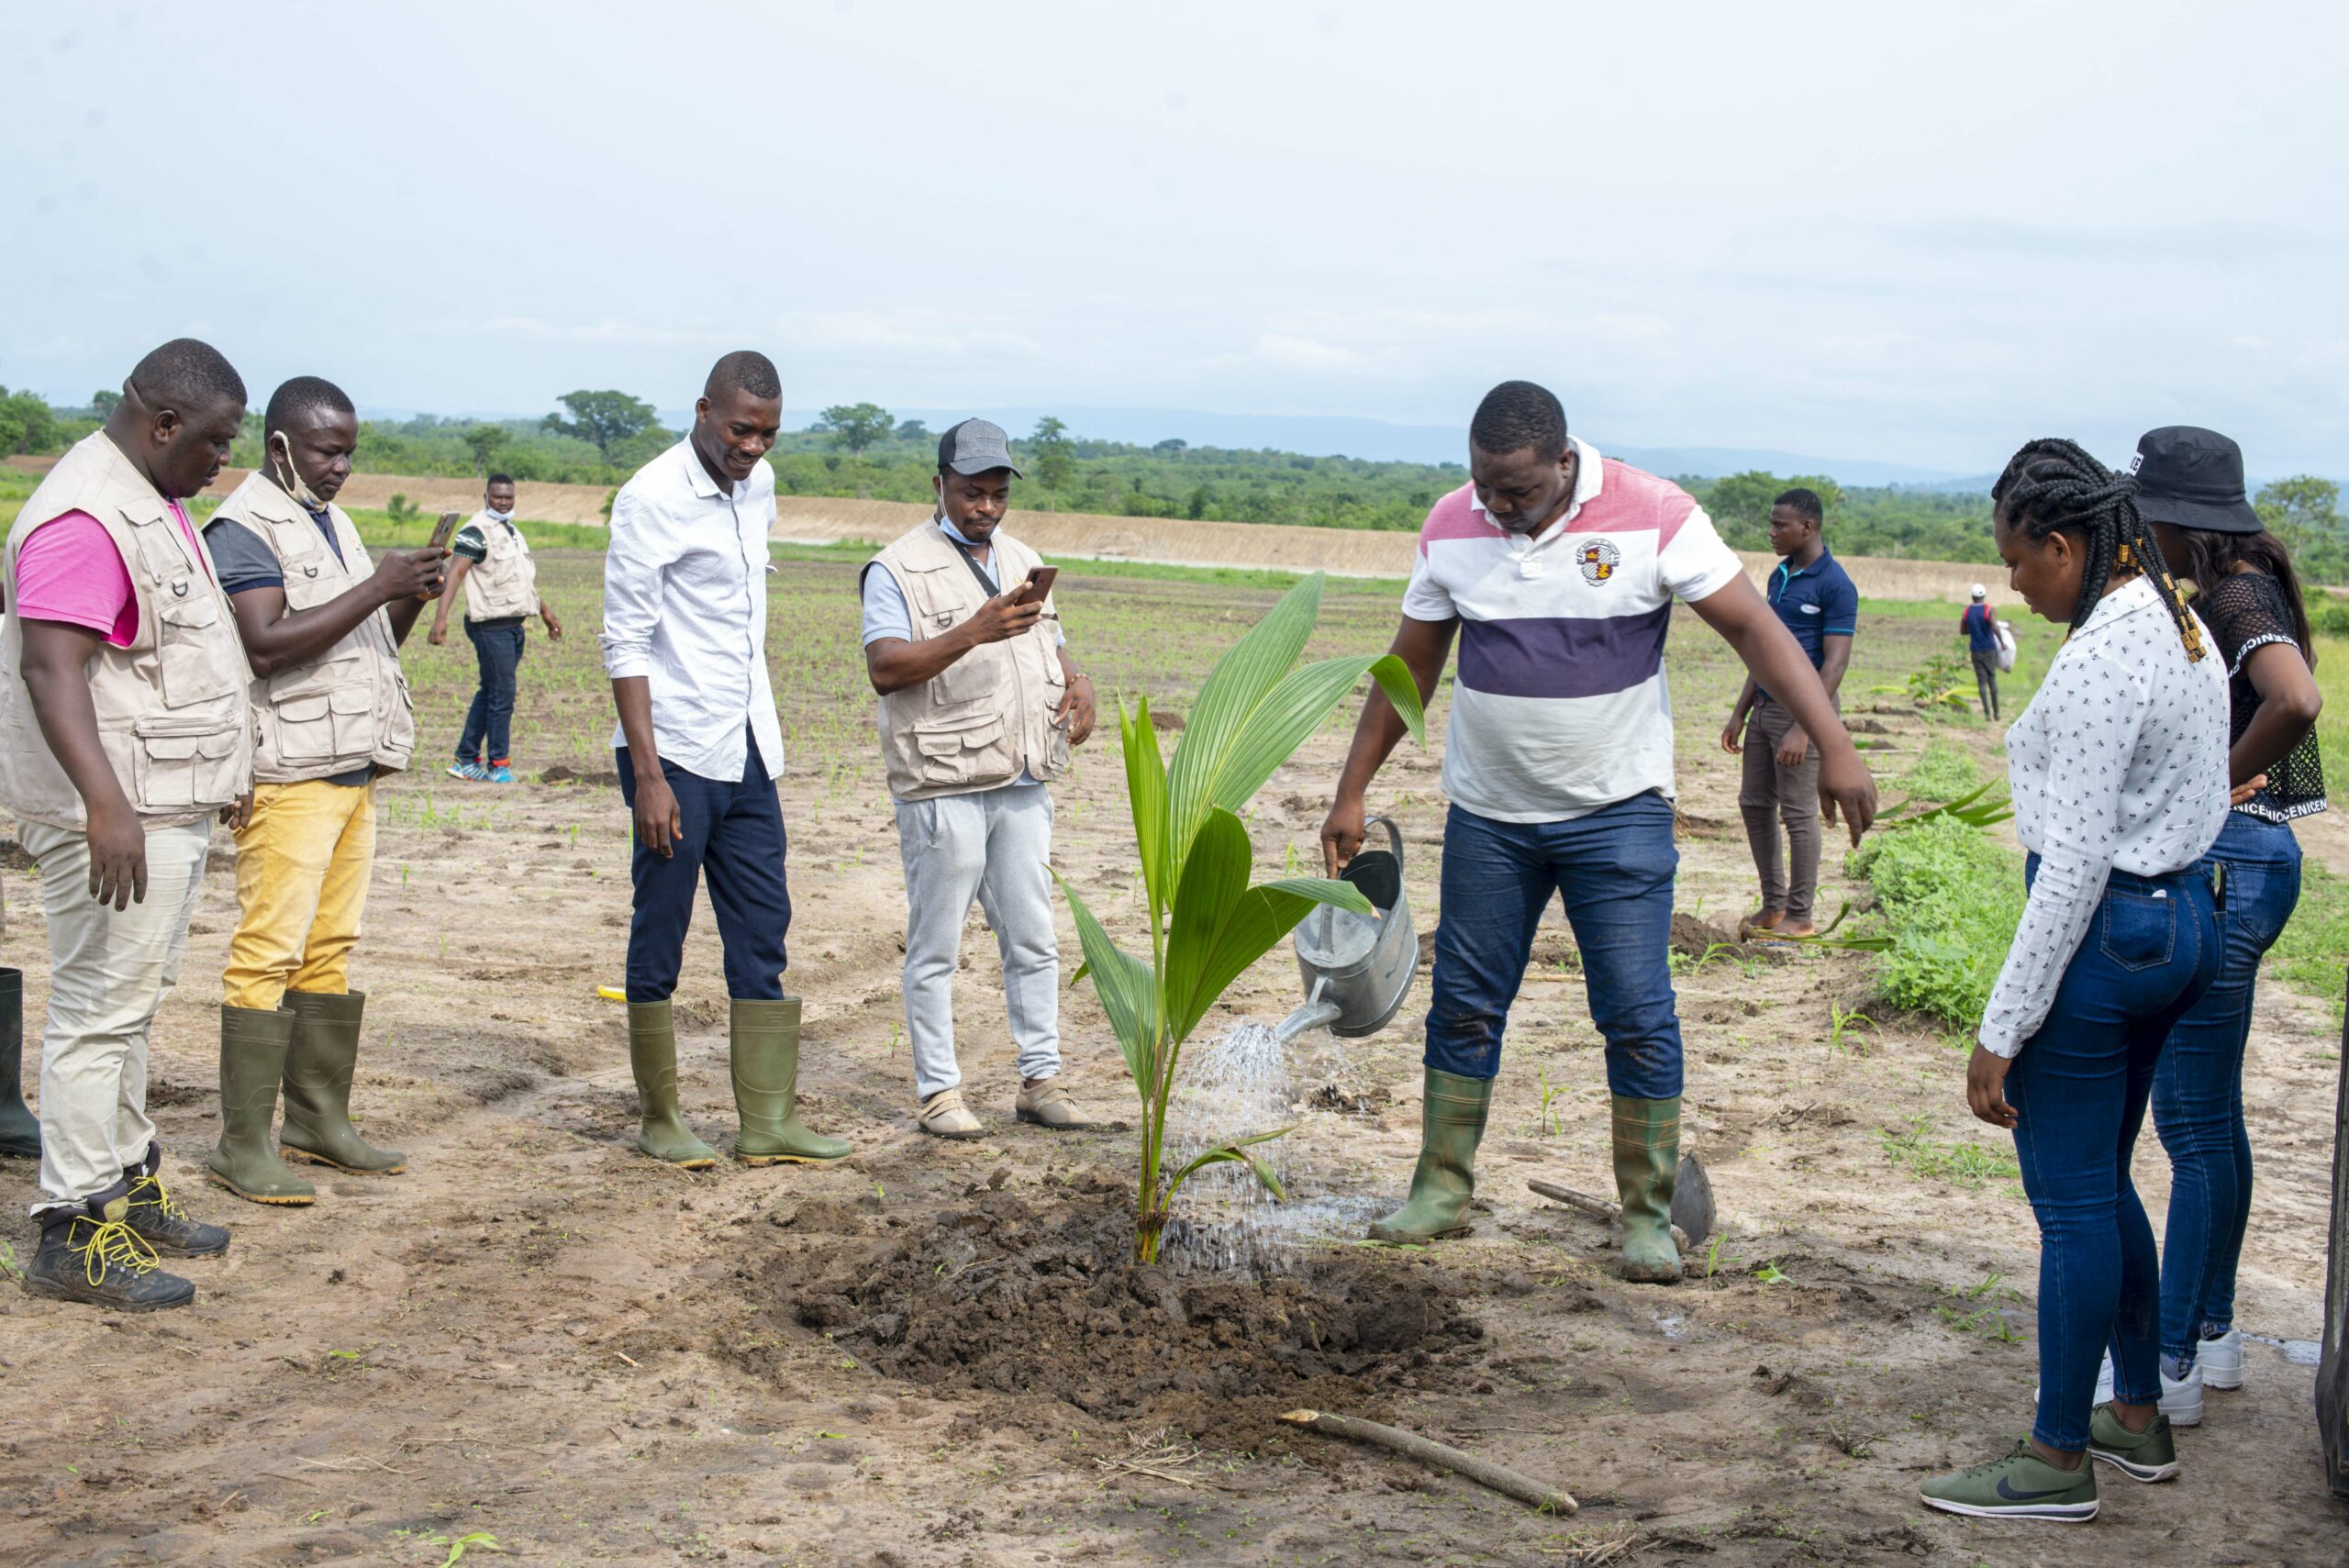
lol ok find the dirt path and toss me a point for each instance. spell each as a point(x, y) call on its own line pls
point(539, 1334)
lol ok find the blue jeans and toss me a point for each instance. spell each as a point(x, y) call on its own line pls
point(498, 649)
point(734, 833)
point(1614, 870)
point(2079, 1086)
point(2197, 1088)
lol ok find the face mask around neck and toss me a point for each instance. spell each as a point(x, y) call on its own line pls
point(495, 515)
point(280, 462)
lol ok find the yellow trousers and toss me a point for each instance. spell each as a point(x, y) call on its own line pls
point(303, 864)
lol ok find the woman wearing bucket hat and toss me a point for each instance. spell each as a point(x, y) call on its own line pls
point(2190, 488)
point(2118, 772)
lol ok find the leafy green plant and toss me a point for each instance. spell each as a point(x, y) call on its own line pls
point(1550, 1092)
point(474, 1541)
point(1951, 898)
point(1940, 772)
point(1981, 1310)
point(1967, 1164)
point(1206, 923)
point(1843, 1025)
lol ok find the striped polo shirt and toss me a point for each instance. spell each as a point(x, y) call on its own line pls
point(1560, 706)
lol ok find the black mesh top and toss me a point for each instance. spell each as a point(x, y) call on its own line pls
point(2248, 611)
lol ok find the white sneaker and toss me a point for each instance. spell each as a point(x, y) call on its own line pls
point(2220, 1361)
point(2181, 1399)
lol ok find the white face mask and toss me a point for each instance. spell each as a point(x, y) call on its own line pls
point(495, 515)
point(281, 460)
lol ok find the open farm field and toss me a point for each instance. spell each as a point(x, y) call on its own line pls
point(933, 1356)
point(1071, 535)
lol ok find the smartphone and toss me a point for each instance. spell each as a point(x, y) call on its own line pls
point(444, 530)
point(1039, 583)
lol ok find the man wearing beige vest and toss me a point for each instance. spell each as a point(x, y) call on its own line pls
point(979, 708)
point(124, 731)
point(322, 627)
point(501, 581)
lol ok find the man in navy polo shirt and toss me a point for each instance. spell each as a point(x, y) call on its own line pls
point(1819, 605)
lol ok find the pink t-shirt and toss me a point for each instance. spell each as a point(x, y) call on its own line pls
point(70, 571)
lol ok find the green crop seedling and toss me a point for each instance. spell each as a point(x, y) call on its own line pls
point(1207, 924)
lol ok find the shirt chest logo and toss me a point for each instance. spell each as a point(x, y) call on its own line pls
point(1597, 557)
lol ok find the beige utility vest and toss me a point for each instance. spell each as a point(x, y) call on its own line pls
point(979, 722)
point(505, 581)
point(172, 708)
point(349, 706)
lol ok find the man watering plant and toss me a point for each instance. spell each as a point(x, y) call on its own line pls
point(124, 730)
point(501, 582)
point(979, 708)
point(322, 627)
point(1556, 570)
point(700, 749)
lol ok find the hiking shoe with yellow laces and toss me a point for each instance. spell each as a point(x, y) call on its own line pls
point(159, 1220)
point(87, 1253)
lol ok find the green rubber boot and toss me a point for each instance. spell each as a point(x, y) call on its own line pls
point(1452, 1123)
point(653, 1054)
point(1647, 1165)
point(764, 1044)
point(19, 1128)
point(252, 1059)
point(319, 1066)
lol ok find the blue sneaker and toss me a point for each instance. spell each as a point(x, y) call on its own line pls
point(471, 773)
point(498, 773)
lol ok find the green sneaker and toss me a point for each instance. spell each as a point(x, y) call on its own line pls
point(2020, 1486)
point(2150, 1455)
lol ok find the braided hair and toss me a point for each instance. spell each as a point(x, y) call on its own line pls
point(2052, 483)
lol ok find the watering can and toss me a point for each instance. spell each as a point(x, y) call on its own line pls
point(1357, 969)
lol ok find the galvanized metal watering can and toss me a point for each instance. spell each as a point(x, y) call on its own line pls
point(1356, 970)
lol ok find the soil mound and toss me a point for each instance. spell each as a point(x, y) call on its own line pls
point(1002, 1295)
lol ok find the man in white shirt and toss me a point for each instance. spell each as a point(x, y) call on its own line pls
point(700, 749)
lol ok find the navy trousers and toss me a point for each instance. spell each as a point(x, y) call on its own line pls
point(733, 832)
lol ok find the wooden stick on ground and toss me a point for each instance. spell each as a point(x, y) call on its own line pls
point(1444, 1456)
point(1599, 1207)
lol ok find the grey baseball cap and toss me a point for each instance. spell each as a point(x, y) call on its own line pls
point(977, 446)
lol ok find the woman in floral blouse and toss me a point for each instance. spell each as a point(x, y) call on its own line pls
point(2117, 771)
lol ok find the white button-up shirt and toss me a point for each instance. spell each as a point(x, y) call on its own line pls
point(686, 607)
point(2119, 762)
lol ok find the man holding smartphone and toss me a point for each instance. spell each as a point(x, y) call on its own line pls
point(322, 626)
point(979, 708)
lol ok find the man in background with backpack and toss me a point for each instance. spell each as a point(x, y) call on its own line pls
point(1980, 626)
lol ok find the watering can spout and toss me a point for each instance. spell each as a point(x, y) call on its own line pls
point(1314, 1015)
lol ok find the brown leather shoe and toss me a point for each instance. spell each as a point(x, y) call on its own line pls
point(943, 1114)
point(1046, 1104)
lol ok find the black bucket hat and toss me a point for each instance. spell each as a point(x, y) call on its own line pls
point(2192, 477)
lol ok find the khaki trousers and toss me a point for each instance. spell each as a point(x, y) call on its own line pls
point(303, 864)
point(1769, 795)
point(109, 972)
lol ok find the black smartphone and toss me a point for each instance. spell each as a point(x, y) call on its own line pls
point(1039, 583)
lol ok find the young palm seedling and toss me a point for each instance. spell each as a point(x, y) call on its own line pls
point(1206, 923)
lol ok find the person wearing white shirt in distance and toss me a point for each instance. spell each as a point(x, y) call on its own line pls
point(700, 749)
point(2119, 774)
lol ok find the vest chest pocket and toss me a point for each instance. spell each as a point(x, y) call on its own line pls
point(971, 753)
point(183, 771)
point(190, 646)
point(317, 725)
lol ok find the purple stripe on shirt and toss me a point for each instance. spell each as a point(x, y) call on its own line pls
point(1563, 656)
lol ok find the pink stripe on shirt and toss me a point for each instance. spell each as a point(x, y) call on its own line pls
point(70, 571)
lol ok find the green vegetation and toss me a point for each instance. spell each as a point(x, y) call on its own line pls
point(1951, 898)
point(2308, 956)
point(1941, 772)
point(1206, 923)
point(1935, 1160)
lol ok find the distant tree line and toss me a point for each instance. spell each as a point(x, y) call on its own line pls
point(860, 450)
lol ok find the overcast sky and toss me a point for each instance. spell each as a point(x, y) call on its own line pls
point(1913, 233)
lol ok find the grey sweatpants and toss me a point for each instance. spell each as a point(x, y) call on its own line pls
point(1769, 795)
point(993, 845)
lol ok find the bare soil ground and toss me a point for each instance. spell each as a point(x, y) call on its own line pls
point(934, 1354)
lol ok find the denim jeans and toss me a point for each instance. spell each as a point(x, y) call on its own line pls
point(2079, 1086)
point(498, 649)
point(2197, 1088)
point(733, 833)
point(1614, 869)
